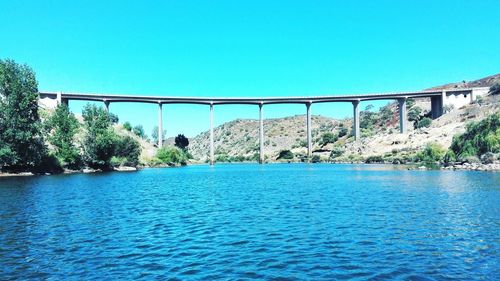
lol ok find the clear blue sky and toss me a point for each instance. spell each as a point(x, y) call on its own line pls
point(248, 48)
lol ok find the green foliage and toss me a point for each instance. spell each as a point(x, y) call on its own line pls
point(129, 150)
point(285, 154)
point(127, 126)
point(432, 152)
point(337, 151)
point(21, 142)
point(61, 128)
point(154, 134)
point(327, 138)
point(343, 132)
point(495, 89)
point(374, 159)
point(113, 118)
point(449, 157)
point(315, 159)
point(479, 138)
point(100, 141)
point(139, 131)
point(414, 113)
point(171, 155)
point(424, 122)
point(410, 103)
point(181, 141)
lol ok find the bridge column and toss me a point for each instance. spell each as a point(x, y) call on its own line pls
point(261, 133)
point(437, 104)
point(106, 104)
point(212, 159)
point(402, 115)
point(355, 123)
point(160, 125)
point(309, 135)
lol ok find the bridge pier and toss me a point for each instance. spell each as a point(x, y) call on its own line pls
point(437, 106)
point(309, 134)
point(212, 159)
point(402, 115)
point(160, 125)
point(106, 104)
point(261, 133)
point(355, 123)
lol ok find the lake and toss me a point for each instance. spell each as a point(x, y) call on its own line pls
point(250, 221)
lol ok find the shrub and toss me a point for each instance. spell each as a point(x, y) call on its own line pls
point(171, 155)
point(495, 89)
point(336, 152)
point(488, 158)
point(432, 152)
point(343, 132)
point(327, 138)
point(424, 122)
point(315, 159)
point(449, 157)
point(285, 154)
point(181, 141)
point(129, 150)
point(139, 131)
point(478, 138)
point(374, 159)
point(127, 126)
point(414, 113)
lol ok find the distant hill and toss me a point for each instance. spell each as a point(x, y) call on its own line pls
point(239, 138)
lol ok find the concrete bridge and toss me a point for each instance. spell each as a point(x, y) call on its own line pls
point(439, 100)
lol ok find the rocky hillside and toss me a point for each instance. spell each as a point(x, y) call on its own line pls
point(239, 138)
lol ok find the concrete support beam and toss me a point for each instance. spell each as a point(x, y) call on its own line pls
point(355, 123)
point(106, 104)
point(212, 157)
point(160, 126)
point(436, 106)
point(309, 134)
point(402, 116)
point(261, 133)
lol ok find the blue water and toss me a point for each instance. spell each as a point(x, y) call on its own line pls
point(277, 221)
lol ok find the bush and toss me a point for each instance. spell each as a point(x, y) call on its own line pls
point(315, 159)
point(181, 141)
point(128, 149)
point(424, 122)
point(127, 126)
point(337, 151)
point(479, 138)
point(432, 153)
point(374, 159)
point(171, 155)
point(449, 157)
point(414, 113)
point(327, 138)
point(139, 131)
point(488, 158)
point(343, 132)
point(495, 89)
point(285, 154)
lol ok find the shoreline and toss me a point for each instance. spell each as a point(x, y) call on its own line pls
point(492, 167)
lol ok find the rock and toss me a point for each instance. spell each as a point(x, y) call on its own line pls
point(125, 169)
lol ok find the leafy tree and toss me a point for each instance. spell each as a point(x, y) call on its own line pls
point(128, 149)
point(432, 152)
point(113, 118)
point(21, 142)
point(181, 141)
point(343, 132)
point(424, 122)
point(495, 89)
point(285, 154)
point(61, 128)
point(478, 138)
point(100, 141)
point(154, 134)
point(127, 126)
point(414, 113)
point(327, 138)
point(139, 131)
point(171, 155)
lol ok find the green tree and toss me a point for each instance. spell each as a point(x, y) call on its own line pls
point(479, 138)
point(113, 118)
point(181, 141)
point(154, 134)
point(414, 113)
point(21, 142)
point(495, 89)
point(285, 154)
point(424, 122)
point(171, 155)
point(100, 141)
point(129, 150)
point(343, 132)
point(327, 138)
point(127, 126)
point(61, 128)
point(139, 131)
point(432, 152)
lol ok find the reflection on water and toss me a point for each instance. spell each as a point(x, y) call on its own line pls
point(294, 221)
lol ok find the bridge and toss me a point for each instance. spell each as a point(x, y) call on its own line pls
point(439, 100)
